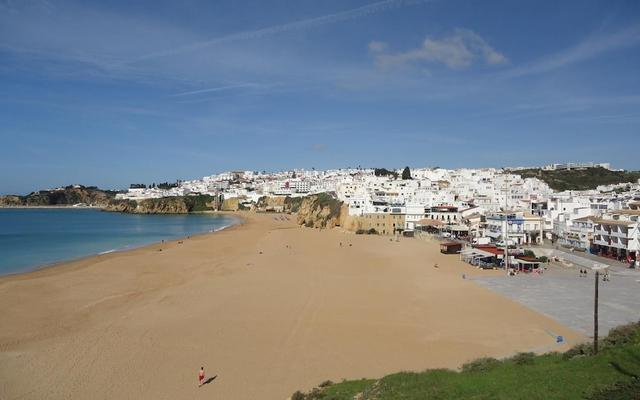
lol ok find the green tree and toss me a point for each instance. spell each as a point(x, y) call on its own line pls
point(406, 173)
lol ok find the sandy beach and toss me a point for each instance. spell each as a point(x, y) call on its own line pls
point(267, 308)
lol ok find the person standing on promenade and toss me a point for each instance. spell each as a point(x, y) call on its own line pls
point(201, 376)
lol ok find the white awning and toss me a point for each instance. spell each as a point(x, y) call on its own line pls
point(475, 253)
point(457, 228)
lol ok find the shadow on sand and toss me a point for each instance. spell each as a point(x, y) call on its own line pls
point(208, 381)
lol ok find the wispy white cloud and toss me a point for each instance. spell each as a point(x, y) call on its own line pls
point(591, 47)
point(457, 50)
point(377, 46)
point(354, 13)
point(215, 89)
point(155, 52)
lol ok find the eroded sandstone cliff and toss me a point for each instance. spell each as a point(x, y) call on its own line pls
point(66, 196)
point(319, 211)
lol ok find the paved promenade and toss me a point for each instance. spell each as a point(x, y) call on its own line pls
point(564, 296)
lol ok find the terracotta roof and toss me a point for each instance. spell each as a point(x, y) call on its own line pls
point(527, 258)
point(490, 249)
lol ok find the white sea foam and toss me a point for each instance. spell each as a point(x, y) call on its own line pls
point(222, 227)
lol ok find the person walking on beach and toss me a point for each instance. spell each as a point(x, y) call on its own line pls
point(201, 376)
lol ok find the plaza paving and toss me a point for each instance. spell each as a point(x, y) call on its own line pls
point(564, 296)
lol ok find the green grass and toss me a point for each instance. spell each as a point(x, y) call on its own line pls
point(610, 374)
point(347, 389)
point(579, 179)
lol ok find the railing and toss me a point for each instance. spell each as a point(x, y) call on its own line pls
point(619, 233)
point(601, 242)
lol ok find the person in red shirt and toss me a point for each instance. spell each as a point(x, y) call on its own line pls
point(201, 376)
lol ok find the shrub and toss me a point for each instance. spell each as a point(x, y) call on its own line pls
point(481, 365)
point(623, 335)
point(582, 349)
point(523, 358)
point(372, 231)
point(326, 200)
point(618, 391)
point(543, 259)
point(529, 253)
point(200, 202)
point(315, 394)
point(298, 396)
point(325, 384)
point(293, 203)
point(575, 179)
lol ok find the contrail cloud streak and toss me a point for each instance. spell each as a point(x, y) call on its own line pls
point(341, 16)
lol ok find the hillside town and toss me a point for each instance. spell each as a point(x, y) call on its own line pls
point(486, 206)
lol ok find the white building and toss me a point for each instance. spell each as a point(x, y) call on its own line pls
point(617, 234)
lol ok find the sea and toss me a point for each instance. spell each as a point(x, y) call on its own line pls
point(32, 238)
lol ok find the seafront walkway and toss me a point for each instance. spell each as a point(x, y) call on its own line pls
point(586, 260)
point(563, 295)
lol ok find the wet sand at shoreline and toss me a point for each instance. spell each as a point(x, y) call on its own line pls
point(268, 307)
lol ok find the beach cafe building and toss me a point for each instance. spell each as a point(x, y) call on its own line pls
point(479, 257)
point(526, 264)
point(450, 247)
point(429, 225)
point(435, 226)
point(488, 256)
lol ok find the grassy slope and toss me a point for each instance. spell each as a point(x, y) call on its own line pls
point(549, 376)
point(584, 179)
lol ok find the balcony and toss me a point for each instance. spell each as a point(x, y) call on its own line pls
point(617, 244)
point(619, 233)
point(582, 229)
point(601, 242)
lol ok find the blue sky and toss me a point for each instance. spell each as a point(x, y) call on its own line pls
point(110, 93)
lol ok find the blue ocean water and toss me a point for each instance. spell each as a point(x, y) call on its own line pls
point(32, 238)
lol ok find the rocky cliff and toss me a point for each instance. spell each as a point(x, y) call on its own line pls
point(165, 205)
point(67, 196)
point(319, 211)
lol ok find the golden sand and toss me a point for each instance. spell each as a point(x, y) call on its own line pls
point(268, 307)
